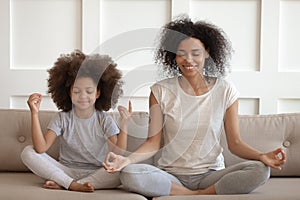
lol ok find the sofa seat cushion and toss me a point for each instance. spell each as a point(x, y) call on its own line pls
point(278, 188)
point(29, 186)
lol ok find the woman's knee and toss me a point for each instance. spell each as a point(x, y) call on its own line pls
point(145, 179)
point(261, 170)
point(249, 176)
point(135, 173)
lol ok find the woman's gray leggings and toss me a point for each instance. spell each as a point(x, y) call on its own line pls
point(151, 181)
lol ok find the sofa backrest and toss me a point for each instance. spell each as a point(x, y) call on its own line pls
point(267, 133)
point(264, 132)
point(15, 134)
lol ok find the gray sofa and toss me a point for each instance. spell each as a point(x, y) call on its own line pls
point(264, 132)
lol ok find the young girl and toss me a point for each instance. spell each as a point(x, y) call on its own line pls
point(83, 87)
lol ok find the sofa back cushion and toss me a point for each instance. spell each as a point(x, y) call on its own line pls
point(15, 134)
point(263, 132)
point(267, 133)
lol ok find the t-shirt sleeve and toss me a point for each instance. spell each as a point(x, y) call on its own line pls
point(232, 94)
point(156, 90)
point(110, 127)
point(55, 124)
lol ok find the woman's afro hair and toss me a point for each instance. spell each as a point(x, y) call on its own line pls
point(214, 39)
point(100, 68)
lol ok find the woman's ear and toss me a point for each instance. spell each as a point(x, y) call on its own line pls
point(206, 53)
point(70, 91)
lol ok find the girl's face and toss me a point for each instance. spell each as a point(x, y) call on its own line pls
point(84, 93)
point(190, 57)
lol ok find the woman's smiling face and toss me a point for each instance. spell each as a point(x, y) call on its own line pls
point(190, 56)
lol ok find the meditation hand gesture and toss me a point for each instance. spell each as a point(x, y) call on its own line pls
point(274, 158)
point(114, 162)
point(34, 102)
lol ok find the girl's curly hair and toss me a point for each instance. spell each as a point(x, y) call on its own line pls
point(100, 68)
point(214, 39)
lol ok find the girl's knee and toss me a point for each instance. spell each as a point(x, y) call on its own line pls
point(27, 152)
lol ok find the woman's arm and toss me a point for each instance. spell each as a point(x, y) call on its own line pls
point(41, 142)
point(115, 162)
point(243, 150)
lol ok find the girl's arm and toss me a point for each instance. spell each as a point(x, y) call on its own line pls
point(238, 147)
point(118, 144)
point(41, 142)
point(116, 162)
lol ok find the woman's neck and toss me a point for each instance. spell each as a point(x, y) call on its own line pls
point(195, 86)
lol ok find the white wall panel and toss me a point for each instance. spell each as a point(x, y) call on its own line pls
point(41, 30)
point(19, 102)
point(35, 32)
point(131, 21)
point(288, 105)
point(240, 19)
point(137, 86)
point(119, 16)
point(264, 35)
point(128, 30)
point(249, 106)
point(289, 41)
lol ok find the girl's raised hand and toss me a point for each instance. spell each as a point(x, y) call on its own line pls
point(34, 102)
point(125, 115)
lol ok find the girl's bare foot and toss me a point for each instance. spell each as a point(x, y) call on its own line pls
point(52, 185)
point(86, 187)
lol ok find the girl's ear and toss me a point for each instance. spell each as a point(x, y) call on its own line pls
point(98, 94)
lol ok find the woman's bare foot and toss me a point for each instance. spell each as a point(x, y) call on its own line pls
point(181, 190)
point(86, 187)
point(52, 185)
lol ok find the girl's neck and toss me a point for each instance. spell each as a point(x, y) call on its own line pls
point(84, 114)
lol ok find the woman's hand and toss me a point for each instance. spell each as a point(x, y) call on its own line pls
point(274, 158)
point(114, 162)
point(34, 102)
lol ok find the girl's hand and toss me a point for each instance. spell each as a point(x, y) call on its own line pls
point(274, 158)
point(34, 102)
point(125, 115)
point(114, 162)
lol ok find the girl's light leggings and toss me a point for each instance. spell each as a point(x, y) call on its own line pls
point(48, 168)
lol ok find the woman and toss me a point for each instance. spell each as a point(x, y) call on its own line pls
point(188, 112)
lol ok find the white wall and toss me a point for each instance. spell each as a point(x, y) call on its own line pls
point(264, 34)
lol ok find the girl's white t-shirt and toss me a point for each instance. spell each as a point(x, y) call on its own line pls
point(192, 126)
